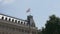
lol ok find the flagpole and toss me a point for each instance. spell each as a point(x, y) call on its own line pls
point(28, 12)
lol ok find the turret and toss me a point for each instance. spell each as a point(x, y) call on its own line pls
point(30, 21)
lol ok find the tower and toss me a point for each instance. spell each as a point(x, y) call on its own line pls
point(30, 21)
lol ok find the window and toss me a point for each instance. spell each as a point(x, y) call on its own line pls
point(3, 26)
point(18, 22)
point(2, 32)
point(13, 29)
point(26, 31)
point(10, 28)
point(19, 30)
point(33, 33)
point(21, 22)
point(22, 30)
point(9, 19)
point(15, 21)
point(24, 23)
point(12, 20)
point(3, 18)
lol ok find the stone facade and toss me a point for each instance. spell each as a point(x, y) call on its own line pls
point(12, 25)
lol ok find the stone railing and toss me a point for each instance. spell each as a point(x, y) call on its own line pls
point(13, 19)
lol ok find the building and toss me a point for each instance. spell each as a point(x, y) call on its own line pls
point(12, 25)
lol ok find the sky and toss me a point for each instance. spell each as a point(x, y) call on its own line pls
point(40, 9)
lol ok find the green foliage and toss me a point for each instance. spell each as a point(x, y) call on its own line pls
point(52, 26)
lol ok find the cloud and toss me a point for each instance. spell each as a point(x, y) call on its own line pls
point(6, 1)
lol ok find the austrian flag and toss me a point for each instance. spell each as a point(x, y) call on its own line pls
point(28, 10)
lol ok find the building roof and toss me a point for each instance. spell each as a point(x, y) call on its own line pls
point(12, 17)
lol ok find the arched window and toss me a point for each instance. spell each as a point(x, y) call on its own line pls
point(5, 18)
point(19, 30)
point(12, 20)
point(13, 29)
point(15, 21)
point(22, 30)
point(18, 22)
point(2, 18)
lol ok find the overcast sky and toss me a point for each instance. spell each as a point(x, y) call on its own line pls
point(40, 9)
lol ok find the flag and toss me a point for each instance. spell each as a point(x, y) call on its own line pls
point(28, 10)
